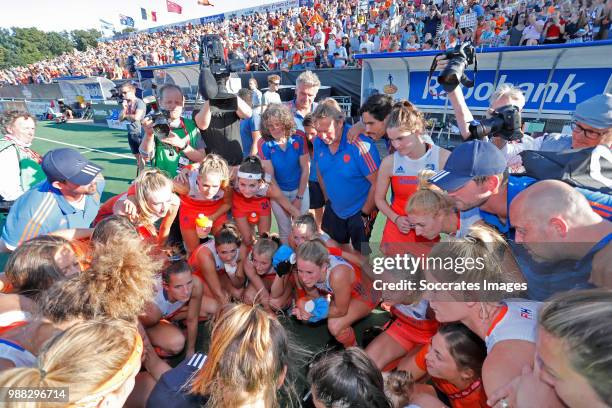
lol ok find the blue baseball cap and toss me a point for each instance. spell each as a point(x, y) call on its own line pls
point(469, 160)
point(69, 165)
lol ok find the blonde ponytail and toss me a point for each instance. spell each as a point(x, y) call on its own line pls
point(91, 359)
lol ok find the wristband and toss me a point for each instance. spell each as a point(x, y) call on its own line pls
point(184, 147)
point(396, 218)
point(297, 197)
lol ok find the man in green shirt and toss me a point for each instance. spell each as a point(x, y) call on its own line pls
point(20, 164)
point(183, 146)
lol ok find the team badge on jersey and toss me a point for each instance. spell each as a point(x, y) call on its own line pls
point(526, 313)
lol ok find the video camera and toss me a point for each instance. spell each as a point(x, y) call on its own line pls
point(116, 95)
point(505, 122)
point(215, 69)
point(458, 58)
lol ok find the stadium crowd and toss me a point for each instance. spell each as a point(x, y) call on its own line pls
point(97, 296)
point(330, 33)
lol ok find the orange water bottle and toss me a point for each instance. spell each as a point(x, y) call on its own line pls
point(203, 224)
point(253, 218)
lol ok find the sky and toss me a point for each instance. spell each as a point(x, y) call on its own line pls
point(59, 15)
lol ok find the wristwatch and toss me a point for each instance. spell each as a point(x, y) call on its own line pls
point(184, 147)
point(299, 197)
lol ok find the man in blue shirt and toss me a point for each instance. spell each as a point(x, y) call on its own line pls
point(257, 96)
point(68, 199)
point(307, 87)
point(475, 175)
point(347, 175)
point(559, 228)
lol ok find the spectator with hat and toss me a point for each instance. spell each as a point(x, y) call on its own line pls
point(69, 198)
point(592, 126)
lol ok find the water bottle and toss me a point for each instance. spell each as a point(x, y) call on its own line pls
point(203, 223)
point(318, 308)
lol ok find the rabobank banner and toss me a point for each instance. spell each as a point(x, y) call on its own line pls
point(265, 8)
point(217, 18)
point(553, 78)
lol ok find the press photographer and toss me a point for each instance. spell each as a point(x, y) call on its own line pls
point(502, 125)
point(172, 142)
point(133, 111)
point(222, 111)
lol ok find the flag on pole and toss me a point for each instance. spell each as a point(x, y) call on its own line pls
point(106, 25)
point(126, 20)
point(148, 15)
point(174, 7)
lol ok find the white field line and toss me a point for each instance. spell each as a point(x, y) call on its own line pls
point(125, 156)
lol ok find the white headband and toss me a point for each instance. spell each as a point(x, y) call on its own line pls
point(250, 176)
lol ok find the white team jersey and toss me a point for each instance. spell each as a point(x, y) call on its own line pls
point(417, 311)
point(405, 166)
point(16, 354)
point(333, 262)
point(520, 322)
point(166, 307)
point(210, 244)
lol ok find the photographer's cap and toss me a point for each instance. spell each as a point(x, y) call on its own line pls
point(69, 165)
point(596, 111)
point(469, 160)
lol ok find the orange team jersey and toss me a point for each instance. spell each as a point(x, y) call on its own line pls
point(471, 397)
point(193, 204)
point(411, 325)
point(106, 210)
point(259, 203)
point(404, 183)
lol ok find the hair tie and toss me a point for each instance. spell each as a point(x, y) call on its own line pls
point(43, 373)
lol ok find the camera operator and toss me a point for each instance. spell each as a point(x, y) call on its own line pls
point(182, 144)
point(221, 113)
point(133, 111)
point(221, 129)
